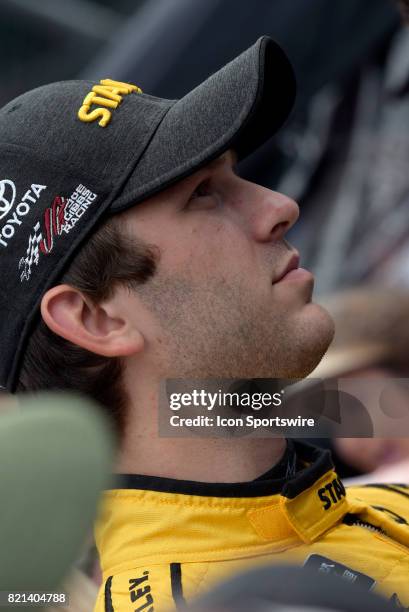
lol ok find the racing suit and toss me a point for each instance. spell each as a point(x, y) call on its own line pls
point(163, 541)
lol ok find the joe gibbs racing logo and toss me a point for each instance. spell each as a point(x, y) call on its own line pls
point(14, 219)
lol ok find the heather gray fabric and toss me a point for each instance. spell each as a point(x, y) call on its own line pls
point(59, 175)
point(241, 105)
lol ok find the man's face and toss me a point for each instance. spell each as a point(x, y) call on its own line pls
point(216, 306)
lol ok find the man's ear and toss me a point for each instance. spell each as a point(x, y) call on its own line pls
point(95, 327)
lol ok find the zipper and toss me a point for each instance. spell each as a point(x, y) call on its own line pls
point(354, 520)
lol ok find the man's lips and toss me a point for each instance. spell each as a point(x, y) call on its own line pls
point(293, 272)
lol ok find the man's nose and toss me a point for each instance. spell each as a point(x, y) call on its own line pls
point(272, 214)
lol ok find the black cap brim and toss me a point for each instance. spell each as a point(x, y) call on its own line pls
point(240, 106)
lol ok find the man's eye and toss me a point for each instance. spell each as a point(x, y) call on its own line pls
point(201, 191)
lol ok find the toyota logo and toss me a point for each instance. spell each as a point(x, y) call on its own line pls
point(7, 197)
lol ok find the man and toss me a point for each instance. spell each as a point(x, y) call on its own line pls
point(125, 224)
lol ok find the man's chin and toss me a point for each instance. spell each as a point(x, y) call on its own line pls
point(314, 342)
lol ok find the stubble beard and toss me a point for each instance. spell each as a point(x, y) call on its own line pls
point(217, 333)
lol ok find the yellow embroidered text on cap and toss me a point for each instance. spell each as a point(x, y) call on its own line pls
point(108, 95)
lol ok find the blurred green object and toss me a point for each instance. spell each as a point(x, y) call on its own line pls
point(56, 453)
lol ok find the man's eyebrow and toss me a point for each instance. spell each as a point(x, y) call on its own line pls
point(220, 161)
point(215, 163)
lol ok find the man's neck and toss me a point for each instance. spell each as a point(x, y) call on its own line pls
point(204, 460)
point(195, 458)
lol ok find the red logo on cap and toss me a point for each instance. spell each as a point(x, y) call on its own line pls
point(54, 219)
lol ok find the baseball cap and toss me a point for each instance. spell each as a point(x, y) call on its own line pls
point(75, 152)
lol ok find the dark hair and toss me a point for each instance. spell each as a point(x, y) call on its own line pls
point(109, 257)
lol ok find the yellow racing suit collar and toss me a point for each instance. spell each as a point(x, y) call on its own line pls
point(155, 520)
